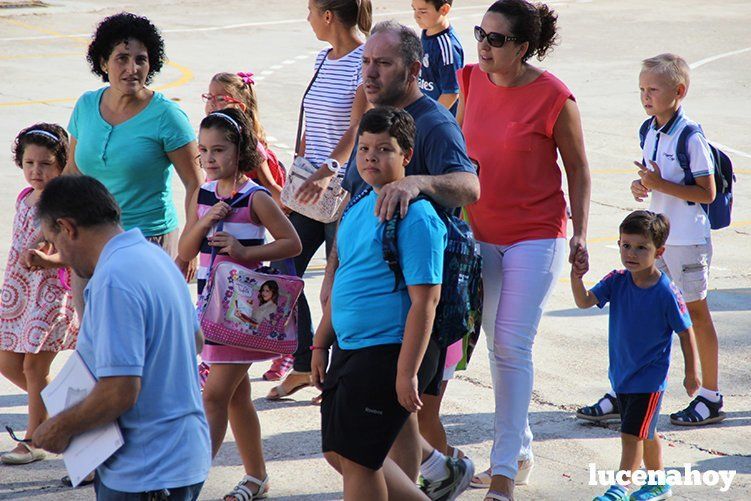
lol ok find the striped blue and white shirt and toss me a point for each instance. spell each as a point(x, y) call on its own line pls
point(443, 57)
point(328, 105)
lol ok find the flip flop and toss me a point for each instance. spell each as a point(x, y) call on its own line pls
point(17, 458)
point(278, 392)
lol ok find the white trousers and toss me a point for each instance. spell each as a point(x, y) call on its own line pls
point(517, 280)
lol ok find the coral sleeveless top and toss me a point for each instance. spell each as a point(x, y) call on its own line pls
point(509, 134)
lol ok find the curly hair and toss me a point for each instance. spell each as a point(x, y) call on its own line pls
point(35, 134)
point(119, 28)
point(238, 131)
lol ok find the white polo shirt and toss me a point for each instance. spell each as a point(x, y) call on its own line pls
point(689, 224)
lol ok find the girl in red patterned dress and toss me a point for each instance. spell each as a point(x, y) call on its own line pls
point(37, 319)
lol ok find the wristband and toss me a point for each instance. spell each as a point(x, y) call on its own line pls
point(332, 165)
point(313, 348)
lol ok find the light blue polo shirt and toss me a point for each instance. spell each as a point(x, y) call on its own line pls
point(140, 321)
point(130, 159)
point(366, 310)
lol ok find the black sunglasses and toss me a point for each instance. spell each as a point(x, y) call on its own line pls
point(14, 437)
point(494, 39)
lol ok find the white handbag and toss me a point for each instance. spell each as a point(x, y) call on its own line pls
point(329, 206)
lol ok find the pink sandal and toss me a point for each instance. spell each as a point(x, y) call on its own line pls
point(279, 368)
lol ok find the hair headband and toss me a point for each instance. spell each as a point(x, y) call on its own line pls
point(229, 119)
point(40, 132)
point(247, 78)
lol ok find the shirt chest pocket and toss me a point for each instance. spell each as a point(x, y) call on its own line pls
point(518, 136)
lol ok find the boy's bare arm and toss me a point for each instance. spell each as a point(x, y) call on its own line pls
point(691, 380)
point(703, 192)
point(583, 298)
point(416, 337)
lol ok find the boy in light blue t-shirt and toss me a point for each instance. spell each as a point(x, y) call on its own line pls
point(385, 356)
point(645, 309)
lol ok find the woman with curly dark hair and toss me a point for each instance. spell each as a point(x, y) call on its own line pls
point(128, 136)
point(516, 117)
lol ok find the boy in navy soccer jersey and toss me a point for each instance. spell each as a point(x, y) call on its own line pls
point(443, 54)
point(645, 309)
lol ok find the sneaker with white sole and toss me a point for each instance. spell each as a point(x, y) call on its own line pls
point(461, 471)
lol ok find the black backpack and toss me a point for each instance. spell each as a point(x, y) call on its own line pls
point(459, 310)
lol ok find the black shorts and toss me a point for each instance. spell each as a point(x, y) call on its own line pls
point(639, 413)
point(360, 413)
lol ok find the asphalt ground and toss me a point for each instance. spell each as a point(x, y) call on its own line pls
point(43, 71)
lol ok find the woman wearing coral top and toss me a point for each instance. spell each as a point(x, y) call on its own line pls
point(516, 118)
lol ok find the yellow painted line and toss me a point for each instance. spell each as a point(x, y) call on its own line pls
point(613, 239)
point(634, 171)
point(186, 75)
point(40, 56)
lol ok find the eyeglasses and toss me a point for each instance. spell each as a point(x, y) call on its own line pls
point(14, 437)
point(222, 99)
point(496, 40)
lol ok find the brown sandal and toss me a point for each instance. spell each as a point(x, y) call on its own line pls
point(279, 391)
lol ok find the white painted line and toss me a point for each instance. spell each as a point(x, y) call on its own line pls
point(301, 57)
point(731, 150)
point(267, 72)
point(288, 62)
point(276, 67)
point(233, 26)
point(711, 59)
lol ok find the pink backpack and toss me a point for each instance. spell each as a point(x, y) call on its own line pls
point(250, 309)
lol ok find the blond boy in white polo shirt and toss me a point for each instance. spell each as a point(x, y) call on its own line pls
point(663, 84)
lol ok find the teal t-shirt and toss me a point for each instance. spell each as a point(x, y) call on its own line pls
point(366, 310)
point(130, 159)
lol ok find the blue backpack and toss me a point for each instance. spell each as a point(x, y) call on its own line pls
point(719, 210)
point(459, 310)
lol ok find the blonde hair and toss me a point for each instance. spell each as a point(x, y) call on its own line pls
point(672, 67)
point(237, 88)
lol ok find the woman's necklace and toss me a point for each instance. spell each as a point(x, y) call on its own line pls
point(242, 179)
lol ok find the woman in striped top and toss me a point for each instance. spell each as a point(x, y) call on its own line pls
point(229, 152)
point(333, 107)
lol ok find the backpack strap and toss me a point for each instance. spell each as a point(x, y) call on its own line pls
point(643, 130)
point(389, 244)
point(681, 153)
point(364, 193)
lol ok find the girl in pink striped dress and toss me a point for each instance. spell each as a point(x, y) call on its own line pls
point(229, 152)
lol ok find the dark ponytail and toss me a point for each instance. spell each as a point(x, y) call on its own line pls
point(350, 13)
point(536, 24)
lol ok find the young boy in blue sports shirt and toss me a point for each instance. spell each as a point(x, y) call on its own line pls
point(663, 83)
point(645, 309)
point(443, 53)
point(385, 355)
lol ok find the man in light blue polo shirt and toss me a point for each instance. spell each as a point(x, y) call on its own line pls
point(139, 338)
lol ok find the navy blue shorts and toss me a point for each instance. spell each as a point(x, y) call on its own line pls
point(639, 413)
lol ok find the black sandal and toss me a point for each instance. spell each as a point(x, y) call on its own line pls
point(594, 412)
point(88, 480)
point(690, 417)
